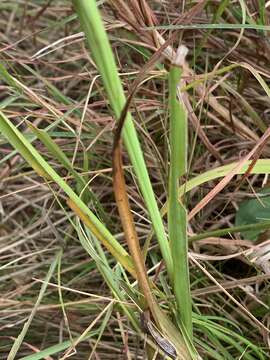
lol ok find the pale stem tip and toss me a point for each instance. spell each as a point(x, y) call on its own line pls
point(180, 56)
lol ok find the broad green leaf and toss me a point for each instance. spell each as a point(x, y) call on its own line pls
point(177, 216)
point(254, 211)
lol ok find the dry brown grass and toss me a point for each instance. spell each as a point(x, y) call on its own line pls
point(228, 114)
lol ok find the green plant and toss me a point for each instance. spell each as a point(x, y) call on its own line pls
point(54, 117)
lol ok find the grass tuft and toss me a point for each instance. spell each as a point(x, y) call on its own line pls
point(171, 273)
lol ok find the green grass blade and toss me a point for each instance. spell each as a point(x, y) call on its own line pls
point(223, 26)
point(177, 216)
point(17, 343)
point(98, 43)
point(221, 8)
point(262, 166)
point(82, 188)
point(20, 143)
point(262, 15)
point(226, 231)
point(112, 279)
point(54, 349)
point(7, 77)
point(56, 152)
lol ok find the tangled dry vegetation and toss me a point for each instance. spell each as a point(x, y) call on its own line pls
point(57, 87)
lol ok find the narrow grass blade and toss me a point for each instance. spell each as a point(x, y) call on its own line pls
point(221, 8)
point(7, 77)
point(262, 166)
point(57, 152)
point(55, 349)
point(177, 342)
point(226, 334)
point(255, 152)
point(82, 188)
point(19, 142)
point(97, 39)
point(209, 26)
point(177, 216)
point(102, 328)
point(113, 280)
point(19, 340)
point(226, 231)
point(108, 241)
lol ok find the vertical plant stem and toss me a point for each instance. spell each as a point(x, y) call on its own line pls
point(102, 54)
point(177, 217)
point(177, 344)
